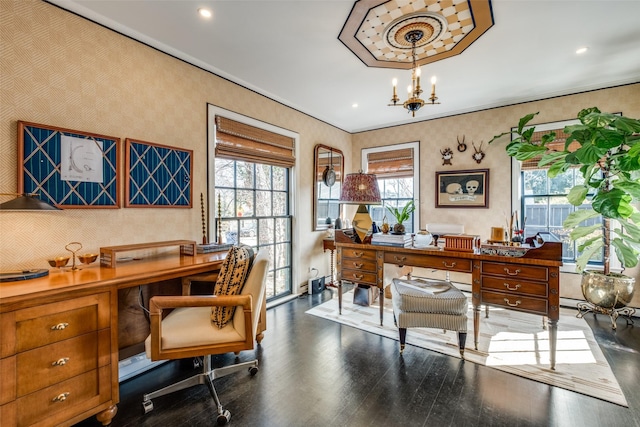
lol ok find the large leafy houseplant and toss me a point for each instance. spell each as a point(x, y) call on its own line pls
point(608, 158)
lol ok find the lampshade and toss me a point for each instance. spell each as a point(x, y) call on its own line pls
point(26, 202)
point(360, 189)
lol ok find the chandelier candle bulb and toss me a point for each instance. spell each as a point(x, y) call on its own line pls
point(433, 86)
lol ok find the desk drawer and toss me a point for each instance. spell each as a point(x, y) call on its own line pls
point(46, 324)
point(438, 262)
point(516, 270)
point(503, 284)
point(516, 302)
point(57, 362)
point(359, 276)
point(359, 264)
point(52, 404)
point(359, 254)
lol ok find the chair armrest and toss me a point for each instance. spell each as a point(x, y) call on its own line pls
point(159, 303)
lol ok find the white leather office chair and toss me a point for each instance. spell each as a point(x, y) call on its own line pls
point(188, 331)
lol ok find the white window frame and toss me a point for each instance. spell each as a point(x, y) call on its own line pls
point(516, 195)
point(416, 171)
point(294, 180)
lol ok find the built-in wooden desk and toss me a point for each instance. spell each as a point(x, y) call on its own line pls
point(59, 338)
point(530, 283)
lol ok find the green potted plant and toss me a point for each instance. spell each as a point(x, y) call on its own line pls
point(401, 215)
point(608, 158)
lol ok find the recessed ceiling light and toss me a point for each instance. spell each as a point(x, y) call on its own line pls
point(354, 105)
point(206, 13)
point(582, 50)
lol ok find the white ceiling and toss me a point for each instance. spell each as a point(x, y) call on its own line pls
point(288, 50)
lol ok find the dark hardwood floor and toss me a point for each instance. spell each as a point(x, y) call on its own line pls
point(314, 372)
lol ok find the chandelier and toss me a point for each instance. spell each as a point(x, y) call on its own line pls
point(414, 102)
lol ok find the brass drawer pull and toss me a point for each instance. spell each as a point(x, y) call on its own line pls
point(506, 270)
point(453, 264)
point(506, 285)
point(59, 326)
point(358, 276)
point(60, 362)
point(358, 254)
point(517, 303)
point(61, 397)
point(357, 265)
point(399, 258)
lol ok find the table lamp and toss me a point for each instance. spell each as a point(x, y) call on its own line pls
point(360, 189)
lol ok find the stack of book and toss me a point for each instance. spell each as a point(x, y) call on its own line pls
point(388, 239)
point(212, 247)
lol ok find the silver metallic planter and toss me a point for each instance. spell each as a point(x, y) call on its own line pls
point(608, 294)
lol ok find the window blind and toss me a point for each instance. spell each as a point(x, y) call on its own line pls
point(556, 145)
point(391, 164)
point(240, 141)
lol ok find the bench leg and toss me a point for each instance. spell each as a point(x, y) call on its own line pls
point(462, 340)
point(403, 338)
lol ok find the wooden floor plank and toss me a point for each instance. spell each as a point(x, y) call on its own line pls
point(314, 372)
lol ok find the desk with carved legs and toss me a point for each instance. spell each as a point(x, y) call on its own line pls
point(530, 283)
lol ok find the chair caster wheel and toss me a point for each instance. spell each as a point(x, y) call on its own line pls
point(223, 418)
point(253, 370)
point(147, 405)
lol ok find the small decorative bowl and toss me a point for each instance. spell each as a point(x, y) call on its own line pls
point(60, 261)
point(87, 258)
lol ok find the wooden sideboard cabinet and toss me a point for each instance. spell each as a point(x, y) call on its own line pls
point(56, 361)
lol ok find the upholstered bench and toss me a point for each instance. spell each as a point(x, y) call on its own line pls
point(429, 304)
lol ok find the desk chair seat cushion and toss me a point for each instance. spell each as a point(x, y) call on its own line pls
point(231, 278)
point(192, 327)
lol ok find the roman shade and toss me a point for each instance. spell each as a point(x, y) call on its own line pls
point(391, 163)
point(556, 145)
point(240, 141)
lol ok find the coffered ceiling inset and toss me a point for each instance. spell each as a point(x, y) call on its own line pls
point(375, 30)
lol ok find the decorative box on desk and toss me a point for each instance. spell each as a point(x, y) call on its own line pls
point(108, 254)
point(461, 242)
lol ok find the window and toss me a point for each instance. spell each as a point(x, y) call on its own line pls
point(252, 168)
point(397, 171)
point(543, 201)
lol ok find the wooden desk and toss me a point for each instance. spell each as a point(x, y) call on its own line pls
point(530, 283)
point(59, 345)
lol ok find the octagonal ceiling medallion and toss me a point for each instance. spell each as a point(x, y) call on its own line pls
point(375, 30)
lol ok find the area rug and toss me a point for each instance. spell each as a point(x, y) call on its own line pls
point(510, 341)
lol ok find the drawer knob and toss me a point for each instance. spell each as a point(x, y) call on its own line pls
point(61, 397)
point(357, 265)
point(358, 254)
point(515, 288)
point(60, 362)
point(59, 326)
point(358, 276)
point(515, 273)
point(453, 264)
point(517, 303)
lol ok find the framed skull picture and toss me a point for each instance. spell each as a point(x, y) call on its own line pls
point(462, 189)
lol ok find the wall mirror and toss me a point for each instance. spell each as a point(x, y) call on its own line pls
point(329, 171)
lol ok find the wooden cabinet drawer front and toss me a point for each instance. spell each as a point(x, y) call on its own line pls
point(503, 284)
point(516, 302)
point(516, 270)
point(45, 366)
point(358, 254)
point(359, 276)
point(440, 263)
point(359, 264)
point(49, 323)
point(53, 405)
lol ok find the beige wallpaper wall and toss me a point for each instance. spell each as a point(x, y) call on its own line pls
point(436, 135)
point(61, 70)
